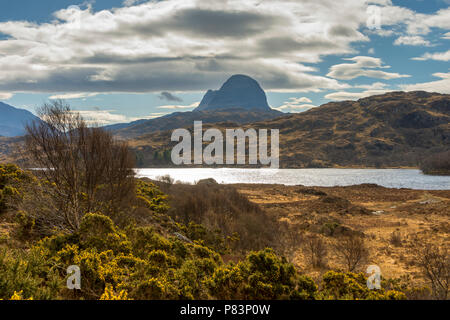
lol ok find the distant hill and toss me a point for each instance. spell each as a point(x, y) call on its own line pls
point(397, 129)
point(185, 119)
point(390, 130)
point(13, 120)
point(240, 100)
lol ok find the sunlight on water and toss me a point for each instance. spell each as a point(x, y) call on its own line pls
point(391, 178)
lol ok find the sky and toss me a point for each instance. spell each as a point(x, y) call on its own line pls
point(122, 60)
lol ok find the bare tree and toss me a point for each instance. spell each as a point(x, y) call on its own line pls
point(316, 251)
point(87, 170)
point(435, 264)
point(352, 251)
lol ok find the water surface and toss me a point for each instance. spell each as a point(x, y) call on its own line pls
point(391, 178)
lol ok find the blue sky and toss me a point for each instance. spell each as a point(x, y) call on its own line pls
point(113, 59)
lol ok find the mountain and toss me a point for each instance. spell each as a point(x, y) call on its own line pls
point(240, 100)
point(13, 120)
point(397, 129)
point(239, 91)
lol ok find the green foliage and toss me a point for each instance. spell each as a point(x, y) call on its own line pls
point(28, 273)
point(404, 284)
point(98, 231)
point(147, 261)
point(352, 286)
point(11, 177)
point(26, 225)
point(151, 196)
point(263, 275)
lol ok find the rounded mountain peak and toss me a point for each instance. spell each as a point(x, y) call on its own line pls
point(239, 91)
point(240, 80)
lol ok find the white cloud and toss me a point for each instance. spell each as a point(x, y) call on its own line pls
point(131, 2)
point(302, 99)
point(101, 117)
point(343, 95)
point(370, 90)
point(296, 105)
point(373, 86)
point(5, 95)
point(107, 117)
point(446, 36)
point(441, 86)
point(412, 41)
point(439, 56)
point(180, 107)
point(191, 45)
point(69, 96)
point(179, 45)
point(362, 66)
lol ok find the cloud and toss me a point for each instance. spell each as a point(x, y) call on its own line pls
point(446, 36)
point(129, 3)
point(191, 45)
point(178, 107)
point(188, 45)
point(412, 41)
point(302, 99)
point(414, 23)
point(169, 97)
point(441, 86)
point(5, 95)
point(69, 96)
point(296, 105)
point(370, 90)
point(439, 56)
point(107, 117)
point(102, 117)
point(362, 66)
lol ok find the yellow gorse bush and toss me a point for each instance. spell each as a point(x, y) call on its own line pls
point(110, 294)
point(150, 262)
point(18, 296)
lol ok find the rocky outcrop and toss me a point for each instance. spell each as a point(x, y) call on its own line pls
point(239, 91)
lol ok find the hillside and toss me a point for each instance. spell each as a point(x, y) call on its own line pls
point(13, 120)
point(396, 129)
point(390, 130)
point(184, 119)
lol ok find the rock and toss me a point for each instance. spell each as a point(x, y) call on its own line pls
point(239, 91)
point(182, 238)
point(209, 181)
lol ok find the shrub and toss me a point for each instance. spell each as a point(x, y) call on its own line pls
point(396, 238)
point(27, 273)
point(98, 231)
point(262, 275)
point(352, 251)
point(110, 294)
point(151, 196)
point(315, 251)
point(87, 169)
point(11, 180)
point(226, 212)
point(435, 264)
point(352, 286)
